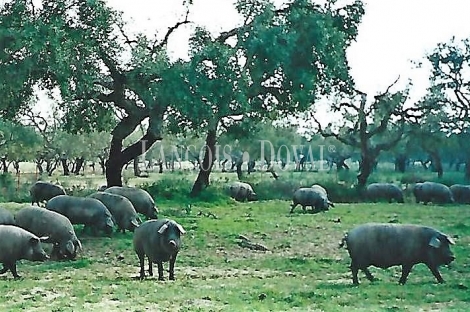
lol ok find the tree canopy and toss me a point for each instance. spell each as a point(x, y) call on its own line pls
point(275, 64)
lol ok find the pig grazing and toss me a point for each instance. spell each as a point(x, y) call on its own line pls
point(43, 191)
point(384, 191)
point(241, 191)
point(16, 244)
point(160, 241)
point(437, 193)
point(56, 227)
point(307, 196)
point(384, 245)
point(321, 190)
point(121, 208)
point(461, 193)
point(140, 199)
point(81, 210)
point(6, 217)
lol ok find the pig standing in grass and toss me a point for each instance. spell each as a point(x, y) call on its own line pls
point(16, 244)
point(81, 210)
point(43, 191)
point(241, 191)
point(159, 241)
point(140, 199)
point(434, 192)
point(313, 197)
point(461, 193)
point(384, 191)
point(6, 217)
point(56, 227)
point(384, 245)
point(121, 208)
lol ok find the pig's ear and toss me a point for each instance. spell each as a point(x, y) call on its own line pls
point(163, 228)
point(70, 248)
point(44, 239)
point(449, 239)
point(78, 244)
point(109, 222)
point(34, 240)
point(435, 242)
point(135, 223)
point(180, 228)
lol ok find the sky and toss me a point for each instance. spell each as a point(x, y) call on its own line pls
point(392, 33)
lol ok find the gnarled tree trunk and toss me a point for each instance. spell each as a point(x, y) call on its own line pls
point(467, 168)
point(202, 180)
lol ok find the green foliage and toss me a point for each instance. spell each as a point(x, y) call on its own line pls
point(13, 191)
point(20, 142)
point(447, 99)
point(177, 190)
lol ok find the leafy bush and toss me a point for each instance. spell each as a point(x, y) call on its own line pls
point(178, 189)
point(12, 191)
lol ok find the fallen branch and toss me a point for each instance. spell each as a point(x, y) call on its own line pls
point(246, 243)
point(207, 214)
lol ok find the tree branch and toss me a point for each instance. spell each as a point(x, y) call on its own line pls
point(348, 141)
point(157, 47)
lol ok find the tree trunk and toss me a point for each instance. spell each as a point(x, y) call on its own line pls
point(39, 166)
point(239, 169)
point(400, 163)
point(4, 164)
point(51, 165)
point(119, 157)
point(115, 163)
point(16, 165)
point(467, 169)
point(65, 166)
point(102, 163)
point(79, 161)
point(366, 168)
point(202, 180)
point(137, 171)
point(437, 163)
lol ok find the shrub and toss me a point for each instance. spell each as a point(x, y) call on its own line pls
point(178, 189)
point(12, 191)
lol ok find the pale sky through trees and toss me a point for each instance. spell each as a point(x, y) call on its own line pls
point(392, 33)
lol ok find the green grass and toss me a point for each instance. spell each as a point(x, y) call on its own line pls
point(303, 270)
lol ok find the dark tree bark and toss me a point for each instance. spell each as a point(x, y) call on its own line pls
point(202, 180)
point(3, 159)
point(436, 163)
point(102, 162)
point(400, 163)
point(368, 161)
point(79, 161)
point(16, 165)
point(119, 157)
point(51, 165)
point(136, 168)
point(467, 169)
point(223, 165)
point(251, 166)
point(39, 162)
point(238, 165)
point(65, 165)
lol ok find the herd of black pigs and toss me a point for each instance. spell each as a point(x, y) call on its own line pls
point(159, 240)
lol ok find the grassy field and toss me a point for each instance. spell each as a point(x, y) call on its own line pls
point(303, 270)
